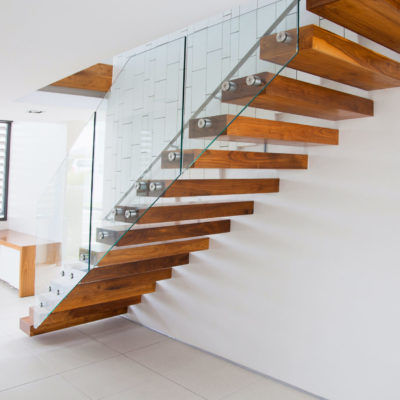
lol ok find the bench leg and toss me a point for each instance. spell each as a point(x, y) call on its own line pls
point(27, 271)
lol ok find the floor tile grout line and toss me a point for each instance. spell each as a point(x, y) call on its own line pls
point(166, 377)
point(283, 383)
point(75, 387)
point(165, 338)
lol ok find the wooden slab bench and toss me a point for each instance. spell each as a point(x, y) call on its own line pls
point(26, 245)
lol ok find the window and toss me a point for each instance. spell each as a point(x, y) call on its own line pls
point(5, 135)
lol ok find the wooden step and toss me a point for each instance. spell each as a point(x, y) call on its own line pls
point(81, 315)
point(105, 292)
point(378, 20)
point(296, 97)
point(210, 187)
point(121, 255)
point(97, 77)
point(238, 159)
point(168, 231)
point(108, 290)
point(257, 130)
point(191, 211)
point(331, 56)
point(134, 268)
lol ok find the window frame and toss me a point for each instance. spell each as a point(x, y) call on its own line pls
point(6, 169)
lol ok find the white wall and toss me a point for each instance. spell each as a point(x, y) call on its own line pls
point(37, 150)
point(307, 289)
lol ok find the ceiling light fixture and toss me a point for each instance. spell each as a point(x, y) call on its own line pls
point(35, 111)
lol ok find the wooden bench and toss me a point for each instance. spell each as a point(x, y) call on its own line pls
point(18, 259)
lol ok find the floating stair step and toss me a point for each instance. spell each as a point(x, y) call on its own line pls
point(134, 268)
point(108, 290)
point(168, 231)
point(105, 292)
point(209, 187)
point(191, 211)
point(238, 159)
point(378, 20)
point(65, 319)
point(331, 56)
point(121, 255)
point(296, 97)
point(257, 130)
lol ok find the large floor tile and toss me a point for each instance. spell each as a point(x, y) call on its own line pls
point(202, 373)
point(158, 388)
point(105, 378)
point(70, 357)
point(17, 370)
point(45, 389)
point(268, 389)
point(130, 338)
point(54, 340)
point(165, 356)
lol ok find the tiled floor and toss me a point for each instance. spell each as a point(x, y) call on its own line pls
point(116, 359)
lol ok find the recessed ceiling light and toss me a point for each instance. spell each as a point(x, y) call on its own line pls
point(35, 111)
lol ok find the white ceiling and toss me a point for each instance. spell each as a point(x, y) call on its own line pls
point(43, 41)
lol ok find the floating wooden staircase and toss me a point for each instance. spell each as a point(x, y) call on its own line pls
point(165, 234)
point(331, 56)
point(161, 232)
point(257, 130)
point(378, 20)
point(207, 187)
point(296, 97)
point(105, 292)
point(121, 255)
point(238, 159)
point(190, 211)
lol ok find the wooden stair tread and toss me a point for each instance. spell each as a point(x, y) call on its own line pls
point(134, 268)
point(239, 159)
point(212, 187)
point(376, 20)
point(190, 211)
point(296, 97)
point(105, 292)
point(97, 77)
point(331, 56)
point(144, 251)
point(142, 235)
point(108, 290)
point(77, 316)
point(257, 130)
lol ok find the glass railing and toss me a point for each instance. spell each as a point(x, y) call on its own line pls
point(63, 219)
point(168, 105)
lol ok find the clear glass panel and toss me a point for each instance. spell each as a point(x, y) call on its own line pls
point(63, 221)
point(140, 149)
point(138, 122)
point(230, 66)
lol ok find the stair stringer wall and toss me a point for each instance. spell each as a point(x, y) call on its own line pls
point(306, 289)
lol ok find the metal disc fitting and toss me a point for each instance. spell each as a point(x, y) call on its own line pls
point(228, 86)
point(117, 211)
point(172, 156)
point(204, 123)
point(283, 37)
point(140, 185)
point(102, 235)
point(130, 213)
point(253, 80)
point(155, 186)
